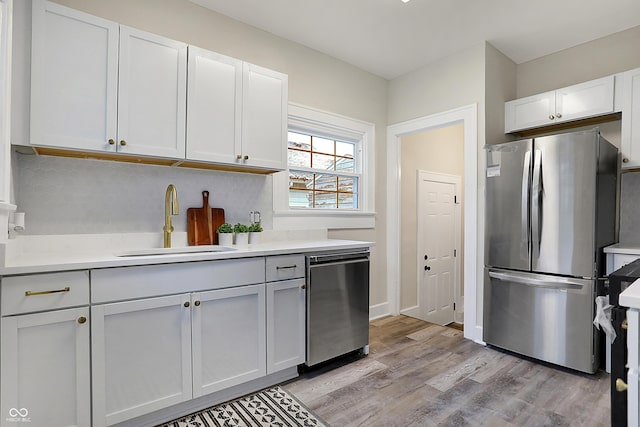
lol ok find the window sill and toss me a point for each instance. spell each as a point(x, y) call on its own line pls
point(302, 220)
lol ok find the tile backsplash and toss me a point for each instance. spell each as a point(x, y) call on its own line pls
point(80, 196)
point(630, 208)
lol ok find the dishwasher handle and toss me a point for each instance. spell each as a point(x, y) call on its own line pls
point(348, 256)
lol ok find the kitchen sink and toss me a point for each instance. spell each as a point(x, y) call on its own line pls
point(177, 250)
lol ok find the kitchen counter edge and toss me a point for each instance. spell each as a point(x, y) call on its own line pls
point(110, 261)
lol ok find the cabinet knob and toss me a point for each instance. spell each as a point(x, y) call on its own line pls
point(303, 287)
point(246, 157)
point(551, 117)
point(625, 324)
point(625, 160)
point(112, 142)
point(186, 304)
point(239, 157)
point(123, 142)
point(197, 303)
point(82, 319)
point(621, 385)
point(558, 115)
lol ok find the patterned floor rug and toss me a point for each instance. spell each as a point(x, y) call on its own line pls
point(269, 408)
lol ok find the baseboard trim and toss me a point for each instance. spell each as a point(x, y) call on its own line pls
point(379, 310)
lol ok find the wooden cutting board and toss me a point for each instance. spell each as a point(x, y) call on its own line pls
point(203, 222)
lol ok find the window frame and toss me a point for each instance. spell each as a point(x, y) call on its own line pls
point(305, 119)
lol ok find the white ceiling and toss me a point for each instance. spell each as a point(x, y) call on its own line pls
point(390, 38)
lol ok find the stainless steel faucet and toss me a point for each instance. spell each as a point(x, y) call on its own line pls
point(170, 208)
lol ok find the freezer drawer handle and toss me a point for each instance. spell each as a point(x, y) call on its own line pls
point(563, 284)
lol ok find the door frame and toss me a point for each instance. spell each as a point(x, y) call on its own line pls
point(456, 180)
point(473, 254)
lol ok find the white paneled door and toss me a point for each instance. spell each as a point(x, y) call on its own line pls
point(438, 228)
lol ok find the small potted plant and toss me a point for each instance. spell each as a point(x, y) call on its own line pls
point(242, 234)
point(254, 233)
point(225, 235)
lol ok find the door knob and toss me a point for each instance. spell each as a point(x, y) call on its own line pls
point(621, 385)
point(426, 257)
point(427, 268)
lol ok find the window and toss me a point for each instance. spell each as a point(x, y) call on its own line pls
point(322, 172)
point(329, 181)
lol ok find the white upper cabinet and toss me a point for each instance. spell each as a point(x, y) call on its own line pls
point(264, 118)
point(152, 94)
point(103, 87)
point(213, 106)
point(581, 101)
point(631, 120)
point(74, 72)
point(236, 112)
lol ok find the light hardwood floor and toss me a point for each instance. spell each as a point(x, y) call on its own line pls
point(420, 374)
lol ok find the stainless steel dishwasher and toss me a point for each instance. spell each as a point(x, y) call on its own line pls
point(337, 305)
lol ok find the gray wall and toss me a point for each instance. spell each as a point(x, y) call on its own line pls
point(630, 209)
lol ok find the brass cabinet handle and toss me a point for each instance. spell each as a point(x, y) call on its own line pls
point(186, 304)
point(621, 385)
point(57, 291)
point(285, 267)
point(551, 117)
point(558, 115)
point(197, 303)
point(625, 324)
point(82, 320)
point(112, 142)
point(123, 142)
point(625, 160)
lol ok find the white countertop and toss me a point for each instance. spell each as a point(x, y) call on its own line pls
point(622, 248)
point(630, 297)
point(64, 260)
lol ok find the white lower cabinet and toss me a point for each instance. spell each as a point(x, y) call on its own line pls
point(45, 369)
point(285, 324)
point(141, 354)
point(229, 338)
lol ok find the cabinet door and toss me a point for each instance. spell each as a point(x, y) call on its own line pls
point(152, 94)
point(631, 120)
point(228, 338)
point(213, 106)
point(141, 354)
point(74, 71)
point(584, 100)
point(264, 118)
point(53, 393)
point(285, 324)
point(530, 112)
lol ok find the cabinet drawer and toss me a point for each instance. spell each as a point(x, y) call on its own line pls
point(39, 292)
point(285, 267)
point(117, 284)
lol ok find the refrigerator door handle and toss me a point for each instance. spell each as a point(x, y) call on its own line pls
point(553, 283)
point(536, 207)
point(526, 174)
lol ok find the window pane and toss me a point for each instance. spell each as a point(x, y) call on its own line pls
point(345, 184)
point(322, 145)
point(298, 140)
point(300, 198)
point(345, 149)
point(323, 162)
point(347, 201)
point(300, 180)
point(326, 182)
point(346, 165)
point(299, 158)
point(325, 200)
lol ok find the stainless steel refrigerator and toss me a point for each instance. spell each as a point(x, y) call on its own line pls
point(550, 209)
